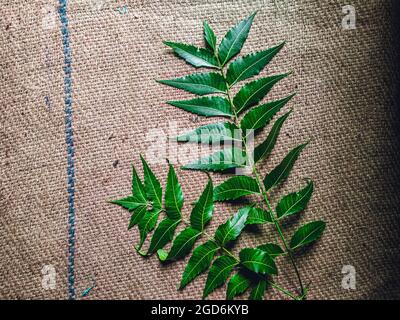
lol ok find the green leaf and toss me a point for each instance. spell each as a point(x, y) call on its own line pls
point(219, 272)
point(197, 57)
point(272, 249)
point(252, 92)
point(205, 106)
point(265, 148)
point(137, 216)
point(307, 234)
point(182, 244)
point(213, 133)
point(231, 229)
point(147, 224)
point(258, 216)
point(236, 187)
point(152, 186)
point(233, 41)
point(209, 36)
point(199, 83)
point(237, 285)
point(202, 211)
point(129, 203)
point(295, 202)
point(138, 190)
point(262, 115)
point(136, 203)
point(258, 291)
point(257, 261)
point(282, 170)
point(250, 65)
point(162, 254)
point(173, 196)
point(199, 262)
point(163, 234)
point(219, 161)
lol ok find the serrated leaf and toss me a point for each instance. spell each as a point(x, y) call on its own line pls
point(236, 187)
point(138, 190)
point(129, 203)
point(137, 215)
point(199, 83)
point(202, 211)
point(199, 261)
point(307, 234)
point(272, 249)
point(147, 224)
point(265, 148)
point(252, 92)
point(152, 186)
point(250, 65)
point(219, 161)
point(219, 272)
point(173, 196)
point(197, 57)
point(209, 36)
point(205, 106)
point(260, 116)
point(237, 285)
point(231, 229)
point(233, 41)
point(213, 133)
point(295, 202)
point(136, 202)
point(258, 216)
point(282, 170)
point(257, 261)
point(258, 291)
point(182, 244)
point(163, 234)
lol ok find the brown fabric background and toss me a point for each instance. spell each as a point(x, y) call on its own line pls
point(345, 106)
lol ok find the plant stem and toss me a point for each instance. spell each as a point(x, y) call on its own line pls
point(278, 228)
point(262, 188)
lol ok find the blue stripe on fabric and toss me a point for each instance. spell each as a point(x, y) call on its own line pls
point(69, 138)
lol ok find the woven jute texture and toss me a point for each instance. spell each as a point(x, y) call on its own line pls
point(344, 106)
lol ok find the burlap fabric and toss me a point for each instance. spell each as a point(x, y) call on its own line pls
point(345, 106)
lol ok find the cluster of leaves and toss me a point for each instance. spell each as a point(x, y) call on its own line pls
point(254, 266)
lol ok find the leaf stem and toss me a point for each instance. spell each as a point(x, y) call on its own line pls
point(262, 187)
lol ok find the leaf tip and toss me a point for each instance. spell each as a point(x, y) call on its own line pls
point(162, 254)
point(305, 144)
point(168, 43)
point(254, 13)
point(290, 72)
point(138, 250)
point(182, 285)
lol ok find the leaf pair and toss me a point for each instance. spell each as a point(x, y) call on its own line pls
point(214, 57)
point(204, 254)
point(201, 214)
point(257, 264)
